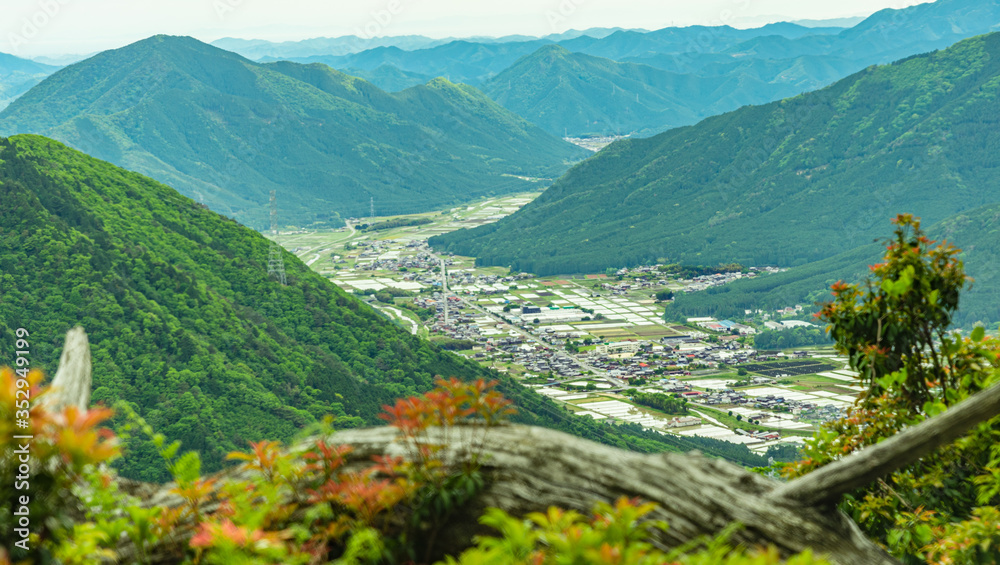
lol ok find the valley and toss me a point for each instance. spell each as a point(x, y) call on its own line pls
point(590, 342)
point(461, 284)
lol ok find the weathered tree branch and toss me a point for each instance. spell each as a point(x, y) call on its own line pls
point(829, 483)
point(71, 385)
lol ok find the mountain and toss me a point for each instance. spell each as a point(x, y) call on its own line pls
point(462, 61)
point(890, 34)
point(474, 61)
point(227, 131)
point(17, 76)
point(390, 78)
point(724, 67)
point(258, 48)
point(786, 183)
point(832, 22)
point(576, 94)
point(188, 329)
point(185, 324)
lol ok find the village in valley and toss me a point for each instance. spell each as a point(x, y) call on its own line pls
point(597, 344)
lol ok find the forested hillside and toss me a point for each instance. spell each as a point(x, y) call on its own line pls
point(578, 94)
point(226, 131)
point(975, 232)
point(187, 327)
point(786, 184)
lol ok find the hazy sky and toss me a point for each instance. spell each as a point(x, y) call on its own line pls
point(52, 27)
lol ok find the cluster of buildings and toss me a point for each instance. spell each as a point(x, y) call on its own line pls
point(704, 282)
point(761, 435)
point(683, 422)
point(528, 314)
point(788, 324)
point(827, 413)
point(729, 397)
point(422, 261)
point(533, 357)
point(726, 326)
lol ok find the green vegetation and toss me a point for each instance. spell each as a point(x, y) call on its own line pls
point(226, 131)
point(893, 327)
point(389, 78)
point(396, 223)
point(662, 402)
point(785, 184)
point(793, 337)
point(579, 94)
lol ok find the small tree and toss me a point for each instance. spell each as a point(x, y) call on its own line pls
point(894, 327)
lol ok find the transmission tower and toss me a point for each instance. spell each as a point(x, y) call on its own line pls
point(275, 264)
point(444, 290)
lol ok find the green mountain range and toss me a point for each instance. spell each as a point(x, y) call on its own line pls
point(187, 327)
point(226, 131)
point(578, 94)
point(698, 71)
point(17, 76)
point(787, 183)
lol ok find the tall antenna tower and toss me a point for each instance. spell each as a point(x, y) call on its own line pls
point(275, 264)
point(444, 290)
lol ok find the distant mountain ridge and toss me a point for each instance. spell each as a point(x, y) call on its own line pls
point(258, 49)
point(786, 183)
point(17, 76)
point(226, 131)
point(759, 65)
point(578, 94)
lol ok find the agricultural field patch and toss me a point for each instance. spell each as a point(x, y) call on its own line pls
point(793, 368)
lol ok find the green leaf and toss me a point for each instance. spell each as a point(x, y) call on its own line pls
point(978, 334)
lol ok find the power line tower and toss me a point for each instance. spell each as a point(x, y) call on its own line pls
point(444, 289)
point(275, 264)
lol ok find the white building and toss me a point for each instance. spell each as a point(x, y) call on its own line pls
point(617, 347)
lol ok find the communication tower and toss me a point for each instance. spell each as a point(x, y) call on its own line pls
point(275, 263)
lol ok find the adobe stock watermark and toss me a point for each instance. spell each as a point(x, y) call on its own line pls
point(225, 7)
point(31, 26)
point(380, 20)
point(562, 13)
